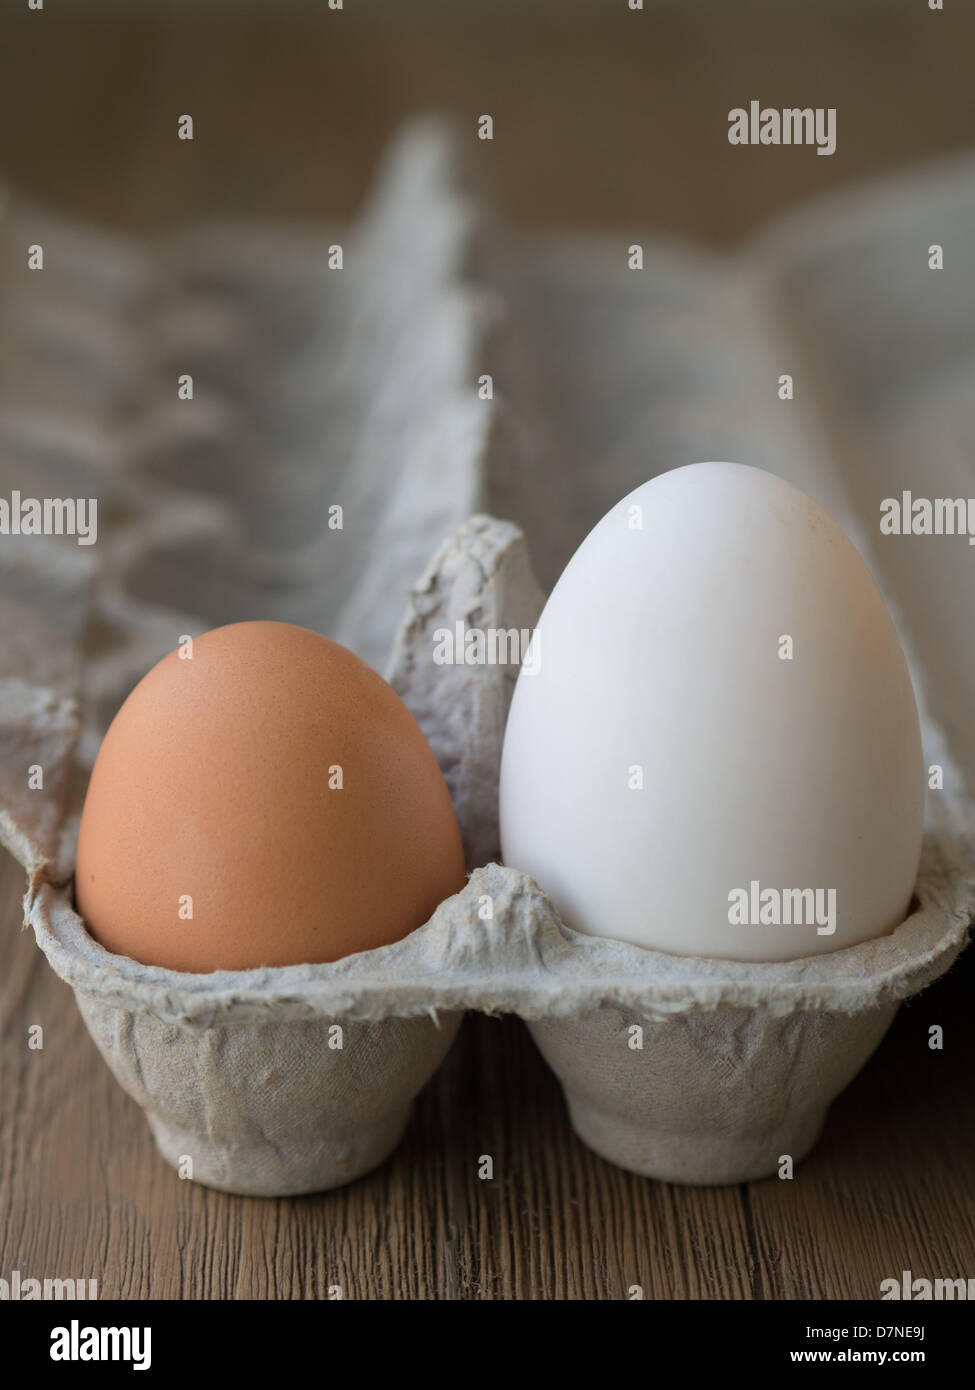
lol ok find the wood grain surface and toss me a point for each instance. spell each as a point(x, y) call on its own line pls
point(603, 118)
point(599, 123)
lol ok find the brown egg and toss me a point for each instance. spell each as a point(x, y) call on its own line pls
point(267, 800)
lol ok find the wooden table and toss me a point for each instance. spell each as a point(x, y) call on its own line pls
point(290, 116)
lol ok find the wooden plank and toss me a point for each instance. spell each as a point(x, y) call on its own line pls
point(600, 113)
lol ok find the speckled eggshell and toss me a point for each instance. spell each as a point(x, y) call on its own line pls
point(276, 786)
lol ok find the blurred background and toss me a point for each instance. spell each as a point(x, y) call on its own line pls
point(604, 117)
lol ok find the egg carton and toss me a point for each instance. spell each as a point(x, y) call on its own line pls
point(363, 391)
point(299, 1078)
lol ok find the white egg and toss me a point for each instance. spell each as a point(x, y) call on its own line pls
point(718, 753)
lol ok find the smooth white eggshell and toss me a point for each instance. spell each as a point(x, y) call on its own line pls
point(659, 649)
